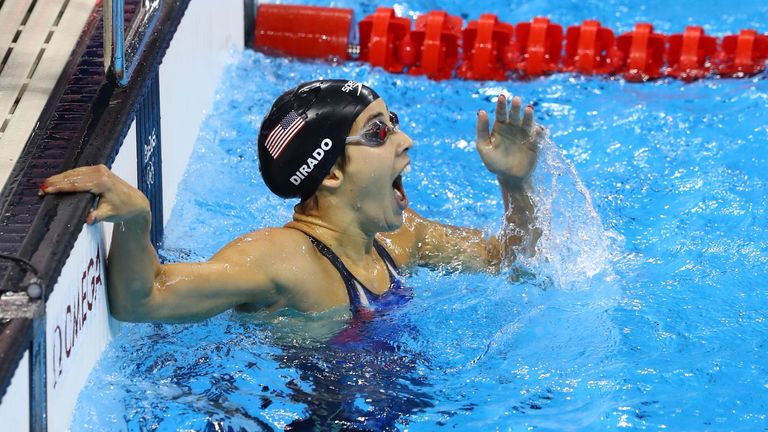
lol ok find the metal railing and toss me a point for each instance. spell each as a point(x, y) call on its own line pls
point(121, 53)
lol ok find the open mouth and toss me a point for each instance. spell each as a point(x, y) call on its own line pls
point(400, 197)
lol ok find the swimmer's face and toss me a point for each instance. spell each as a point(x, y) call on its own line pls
point(372, 176)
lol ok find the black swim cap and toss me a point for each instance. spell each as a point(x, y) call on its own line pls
point(305, 131)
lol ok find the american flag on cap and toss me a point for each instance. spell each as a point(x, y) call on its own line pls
point(282, 134)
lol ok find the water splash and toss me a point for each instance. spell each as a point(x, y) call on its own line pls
point(574, 247)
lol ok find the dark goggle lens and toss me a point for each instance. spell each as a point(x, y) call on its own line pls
point(383, 132)
point(378, 131)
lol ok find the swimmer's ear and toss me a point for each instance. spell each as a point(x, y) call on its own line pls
point(334, 178)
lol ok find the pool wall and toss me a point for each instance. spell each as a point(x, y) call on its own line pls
point(65, 337)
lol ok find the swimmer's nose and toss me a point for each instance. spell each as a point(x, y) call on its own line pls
point(405, 143)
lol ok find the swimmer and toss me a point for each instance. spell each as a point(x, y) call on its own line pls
point(335, 145)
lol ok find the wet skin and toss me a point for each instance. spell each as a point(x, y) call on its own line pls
point(274, 268)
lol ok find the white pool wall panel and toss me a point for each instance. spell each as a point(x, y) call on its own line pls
point(78, 325)
point(208, 37)
point(14, 411)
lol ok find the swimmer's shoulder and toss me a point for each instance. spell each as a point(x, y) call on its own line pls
point(293, 264)
point(403, 243)
point(283, 250)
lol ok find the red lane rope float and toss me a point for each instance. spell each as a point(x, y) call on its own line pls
point(743, 54)
point(385, 42)
point(494, 50)
point(541, 44)
point(436, 38)
point(488, 49)
point(303, 31)
point(644, 53)
point(690, 55)
point(590, 49)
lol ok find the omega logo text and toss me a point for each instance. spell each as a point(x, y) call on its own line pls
point(76, 316)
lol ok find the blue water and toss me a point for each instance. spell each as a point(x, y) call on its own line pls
point(646, 311)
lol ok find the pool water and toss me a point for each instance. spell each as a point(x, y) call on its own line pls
point(646, 308)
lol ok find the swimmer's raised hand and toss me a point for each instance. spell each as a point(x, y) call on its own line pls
point(118, 200)
point(511, 148)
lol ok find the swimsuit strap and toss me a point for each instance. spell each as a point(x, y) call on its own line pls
point(350, 282)
point(357, 292)
point(388, 260)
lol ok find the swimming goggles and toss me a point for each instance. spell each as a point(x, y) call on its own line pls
point(376, 133)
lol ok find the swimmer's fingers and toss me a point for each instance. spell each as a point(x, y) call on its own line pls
point(93, 179)
point(104, 212)
point(99, 214)
point(483, 136)
point(116, 199)
point(528, 119)
point(501, 109)
point(514, 112)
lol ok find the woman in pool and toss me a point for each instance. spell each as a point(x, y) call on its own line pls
point(335, 145)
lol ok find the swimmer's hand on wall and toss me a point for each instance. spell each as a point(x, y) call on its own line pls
point(511, 149)
point(118, 200)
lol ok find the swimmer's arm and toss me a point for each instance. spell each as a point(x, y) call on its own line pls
point(132, 259)
point(519, 232)
point(427, 243)
point(139, 287)
point(186, 292)
point(510, 151)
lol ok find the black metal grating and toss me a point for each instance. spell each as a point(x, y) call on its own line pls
point(60, 126)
